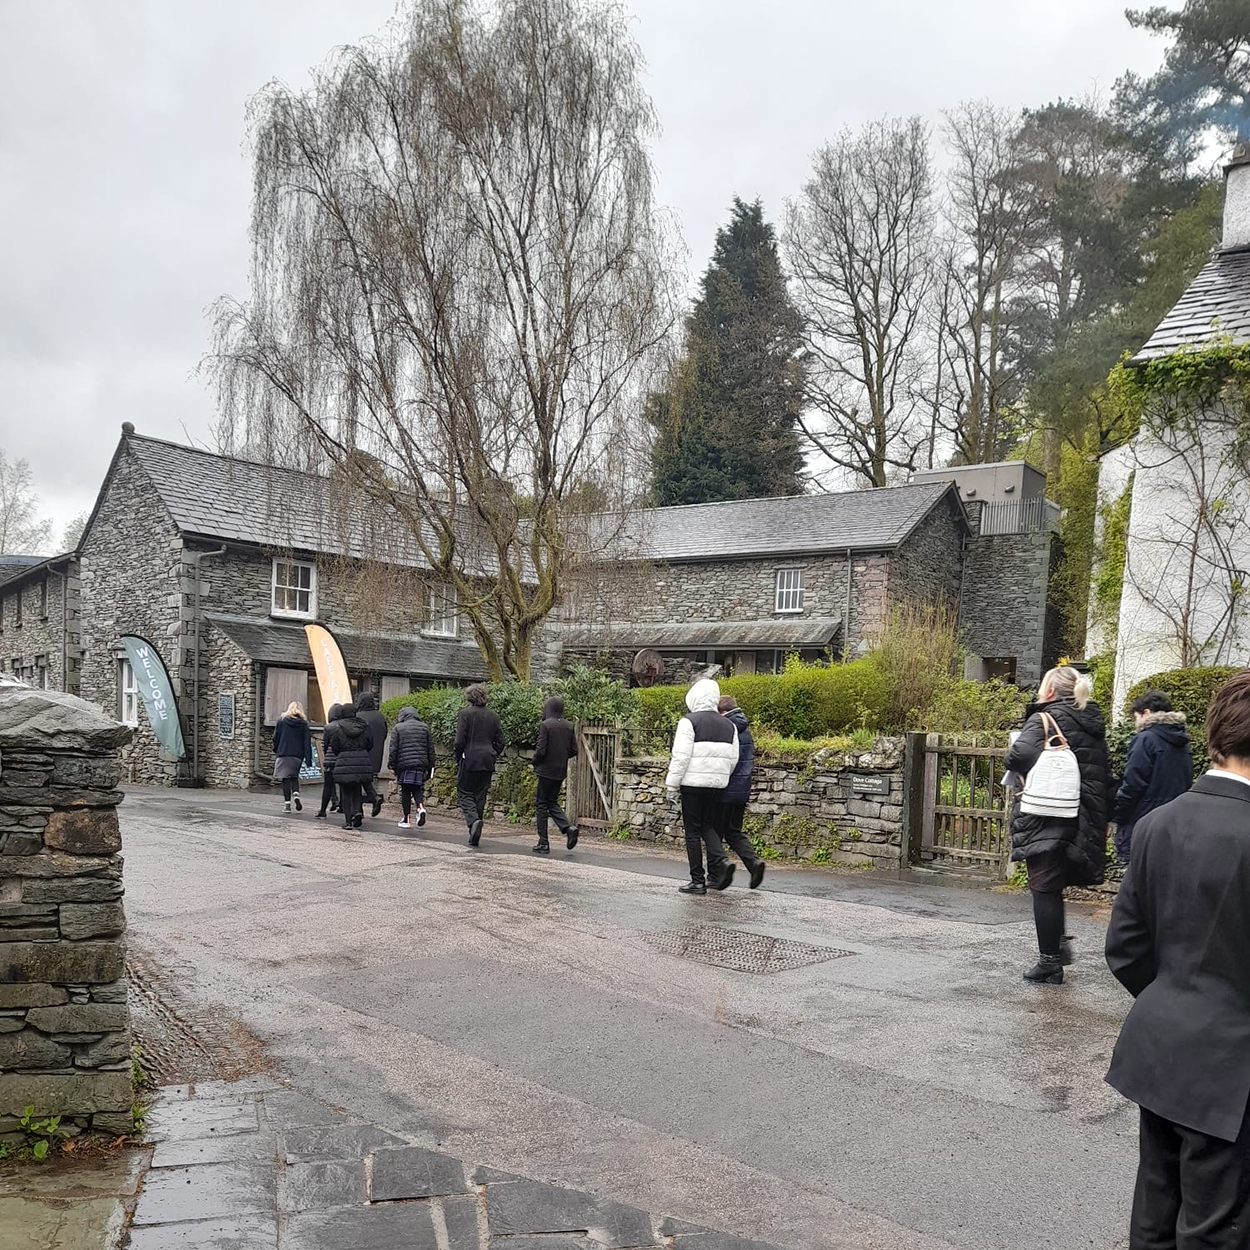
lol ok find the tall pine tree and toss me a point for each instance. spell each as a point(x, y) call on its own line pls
point(727, 422)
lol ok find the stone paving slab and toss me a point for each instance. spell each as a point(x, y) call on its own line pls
point(403, 1226)
point(205, 1191)
point(414, 1173)
point(88, 1224)
point(247, 1232)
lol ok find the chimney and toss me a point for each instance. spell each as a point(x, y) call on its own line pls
point(1237, 199)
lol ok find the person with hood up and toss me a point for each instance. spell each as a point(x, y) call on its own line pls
point(367, 710)
point(1061, 850)
point(556, 745)
point(329, 791)
point(292, 749)
point(1159, 766)
point(352, 743)
point(735, 796)
point(705, 753)
point(479, 743)
point(412, 762)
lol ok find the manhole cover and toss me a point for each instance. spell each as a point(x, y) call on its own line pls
point(739, 950)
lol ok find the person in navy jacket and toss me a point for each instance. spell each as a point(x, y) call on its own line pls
point(737, 794)
point(1159, 766)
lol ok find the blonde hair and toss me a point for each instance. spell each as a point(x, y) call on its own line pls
point(294, 708)
point(1065, 683)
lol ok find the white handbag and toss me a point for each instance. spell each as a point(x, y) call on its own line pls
point(1053, 786)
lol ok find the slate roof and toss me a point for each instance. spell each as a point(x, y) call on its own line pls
point(15, 568)
point(696, 635)
point(287, 645)
point(862, 520)
point(1215, 304)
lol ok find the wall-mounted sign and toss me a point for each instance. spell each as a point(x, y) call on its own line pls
point(225, 715)
point(868, 783)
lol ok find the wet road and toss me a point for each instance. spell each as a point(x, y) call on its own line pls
point(897, 1086)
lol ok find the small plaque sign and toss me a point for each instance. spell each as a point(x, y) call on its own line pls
point(868, 783)
point(225, 715)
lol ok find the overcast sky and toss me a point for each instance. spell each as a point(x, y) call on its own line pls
point(124, 182)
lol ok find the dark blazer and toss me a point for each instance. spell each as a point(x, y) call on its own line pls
point(292, 739)
point(1179, 941)
point(479, 738)
point(739, 788)
point(556, 745)
point(1159, 768)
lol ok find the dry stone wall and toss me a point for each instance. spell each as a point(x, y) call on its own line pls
point(64, 1022)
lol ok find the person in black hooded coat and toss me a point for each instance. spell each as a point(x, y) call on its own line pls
point(352, 743)
point(1159, 767)
point(367, 710)
point(329, 796)
point(1061, 851)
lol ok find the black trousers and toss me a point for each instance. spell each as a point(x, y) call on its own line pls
point(349, 801)
point(547, 806)
point(700, 813)
point(729, 826)
point(409, 792)
point(290, 786)
point(1193, 1191)
point(472, 785)
point(327, 789)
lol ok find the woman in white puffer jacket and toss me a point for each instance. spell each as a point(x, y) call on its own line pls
point(705, 753)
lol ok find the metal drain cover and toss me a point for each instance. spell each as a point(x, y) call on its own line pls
point(739, 950)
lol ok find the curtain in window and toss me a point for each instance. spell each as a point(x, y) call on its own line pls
point(281, 686)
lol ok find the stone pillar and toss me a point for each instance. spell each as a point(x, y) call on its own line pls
point(64, 1023)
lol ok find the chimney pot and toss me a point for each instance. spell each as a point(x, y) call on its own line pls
point(1236, 233)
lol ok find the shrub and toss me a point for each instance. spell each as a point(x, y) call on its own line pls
point(917, 654)
point(972, 707)
point(591, 694)
point(1191, 691)
point(436, 705)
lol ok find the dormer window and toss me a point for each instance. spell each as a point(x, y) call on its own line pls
point(294, 589)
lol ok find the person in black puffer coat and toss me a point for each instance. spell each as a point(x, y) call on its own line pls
point(367, 710)
point(412, 761)
point(735, 796)
point(352, 744)
point(1061, 851)
point(329, 796)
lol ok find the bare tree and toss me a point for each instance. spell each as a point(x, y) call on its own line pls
point(22, 533)
point(987, 228)
point(459, 287)
point(860, 250)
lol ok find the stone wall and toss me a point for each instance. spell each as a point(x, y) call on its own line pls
point(40, 643)
point(927, 568)
point(131, 571)
point(1003, 606)
point(841, 809)
point(64, 1022)
point(227, 670)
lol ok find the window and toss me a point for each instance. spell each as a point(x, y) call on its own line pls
point(443, 621)
point(789, 590)
point(129, 692)
point(283, 686)
point(294, 588)
point(17, 608)
point(393, 687)
point(43, 599)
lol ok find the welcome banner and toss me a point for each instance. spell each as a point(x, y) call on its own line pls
point(331, 670)
point(157, 693)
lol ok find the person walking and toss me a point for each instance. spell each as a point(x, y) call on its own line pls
point(367, 710)
point(1179, 942)
point(479, 743)
point(329, 791)
point(1059, 832)
point(412, 761)
point(292, 749)
point(556, 745)
point(352, 743)
point(1159, 767)
point(735, 796)
point(705, 753)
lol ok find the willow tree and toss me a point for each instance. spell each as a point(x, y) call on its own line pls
point(459, 290)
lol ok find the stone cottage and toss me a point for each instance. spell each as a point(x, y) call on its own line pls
point(1187, 473)
point(39, 620)
point(219, 562)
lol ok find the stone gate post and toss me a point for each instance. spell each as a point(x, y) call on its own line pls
point(64, 1024)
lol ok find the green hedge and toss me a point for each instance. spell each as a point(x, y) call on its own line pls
point(1191, 691)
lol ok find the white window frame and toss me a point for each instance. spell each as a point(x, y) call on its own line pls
point(311, 589)
point(440, 596)
point(127, 693)
point(789, 591)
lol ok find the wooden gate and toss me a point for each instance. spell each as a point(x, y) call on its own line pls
point(593, 772)
point(964, 806)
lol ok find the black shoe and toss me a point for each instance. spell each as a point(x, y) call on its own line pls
point(1066, 954)
point(347, 824)
point(543, 848)
point(377, 807)
point(358, 820)
point(299, 807)
point(475, 833)
point(1047, 971)
point(757, 875)
point(692, 887)
point(321, 815)
point(571, 834)
point(725, 880)
point(334, 807)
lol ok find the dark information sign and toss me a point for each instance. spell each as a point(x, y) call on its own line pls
point(868, 783)
point(225, 715)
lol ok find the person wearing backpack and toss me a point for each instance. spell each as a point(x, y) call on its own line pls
point(1059, 816)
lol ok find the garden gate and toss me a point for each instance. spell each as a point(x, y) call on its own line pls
point(964, 807)
point(591, 789)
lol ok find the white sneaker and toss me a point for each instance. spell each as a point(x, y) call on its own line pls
point(299, 807)
point(405, 823)
point(420, 816)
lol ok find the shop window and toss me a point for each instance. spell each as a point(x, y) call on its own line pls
point(294, 588)
point(789, 590)
point(128, 694)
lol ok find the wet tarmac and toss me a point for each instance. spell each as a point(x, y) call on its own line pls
point(862, 1067)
